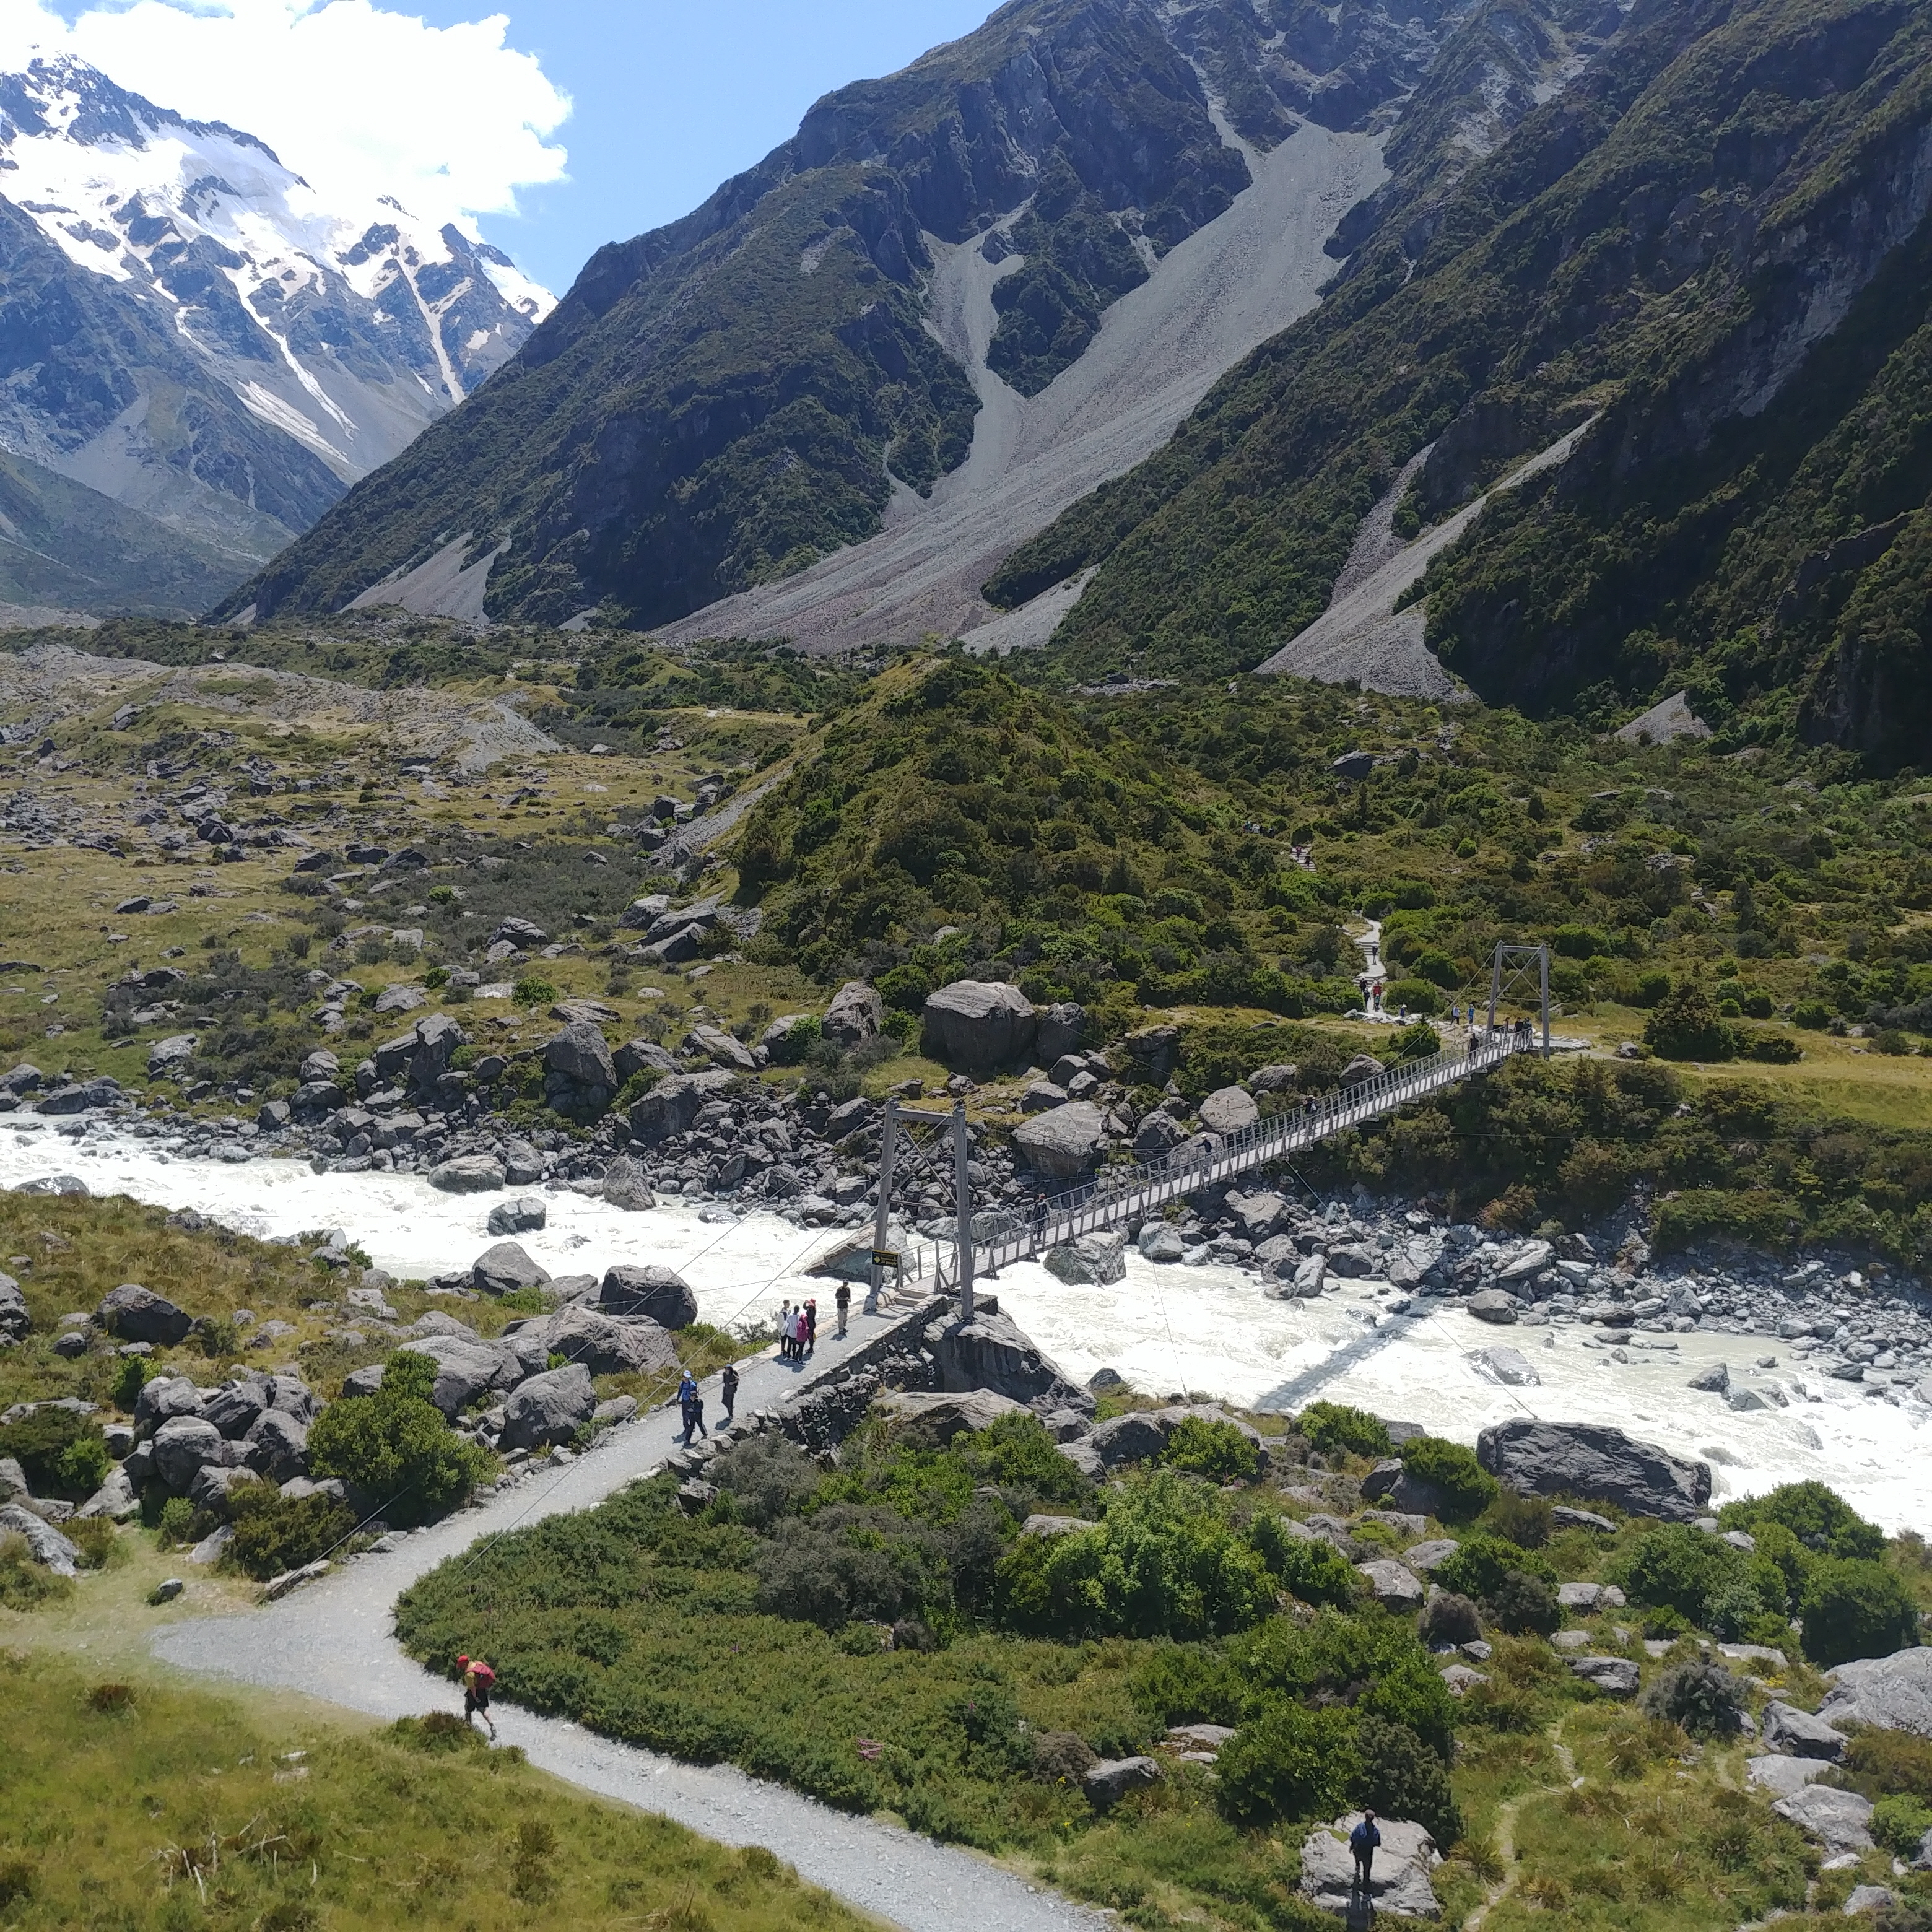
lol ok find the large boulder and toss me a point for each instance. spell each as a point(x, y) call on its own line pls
point(627, 1186)
point(1399, 1882)
point(855, 1016)
point(14, 1320)
point(580, 1056)
point(1892, 1693)
point(673, 1104)
point(45, 1543)
point(604, 1344)
point(1112, 1779)
point(116, 1498)
point(1786, 1728)
point(465, 1369)
point(1258, 1215)
point(468, 1174)
point(137, 1314)
point(164, 1399)
point(642, 1056)
point(549, 1407)
point(1393, 1584)
point(506, 1268)
point(658, 1294)
point(948, 1413)
point(722, 1048)
point(1059, 1030)
point(1597, 1463)
point(234, 1407)
point(1140, 1434)
point(1839, 1820)
point(1615, 1676)
point(1510, 1367)
point(527, 1214)
point(277, 1446)
point(992, 1351)
point(1492, 1305)
point(1065, 1144)
point(1096, 1259)
point(1227, 1110)
point(183, 1446)
point(1158, 1135)
point(980, 1025)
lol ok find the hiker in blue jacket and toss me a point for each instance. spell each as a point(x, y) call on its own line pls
point(1362, 1842)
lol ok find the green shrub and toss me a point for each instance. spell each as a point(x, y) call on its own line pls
point(1164, 1561)
point(1289, 1765)
point(25, 1585)
point(533, 991)
point(394, 1449)
point(1399, 1777)
point(1481, 1561)
point(1524, 1605)
point(275, 1534)
point(1334, 1428)
point(129, 1381)
point(1899, 1825)
point(1448, 1617)
point(1419, 996)
point(176, 1521)
point(1684, 1025)
point(1773, 1049)
point(1880, 1762)
point(96, 1539)
point(1704, 1698)
point(1467, 1488)
point(63, 1454)
point(1853, 1608)
point(1523, 1520)
point(1215, 1450)
point(1820, 1519)
point(1674, 1567)
point(792, 1046)
point(1304, 1566)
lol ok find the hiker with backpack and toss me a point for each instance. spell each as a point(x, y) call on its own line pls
point(478, 1681)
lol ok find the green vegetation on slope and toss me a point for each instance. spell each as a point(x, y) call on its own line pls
point(1696, 536)
point(157, 1809)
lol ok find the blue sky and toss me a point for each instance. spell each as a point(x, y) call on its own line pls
point(671, 98)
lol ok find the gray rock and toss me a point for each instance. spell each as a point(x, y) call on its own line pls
point(1279, 1077)
point(673, 1104)
point(1084, 1458)
point(1353, 1262)
point(1064, 1144)
point(1839, 1820)
point(978, 1025)
point(505, 1268)
point(184, 1446)
point(1399, 1886)
point(1531, 1259)
point(856, 1015)
point(1586, 1598)
point(723, 1049)
point(548, 1409)
point(468, 1174)
point(1783, 1775)
point(1564, 1517)
point(167, 1056)
point(1363, 1067)
point(1427, 1555)
point(1059, 1028)
point(115, 1499)
point(1798, 1733)
point(658, 1294)
point(1142, 1434)
point(1112, 1779)
point(1712, 1381)
point(1392, 1585)
point(15, 1322)
point(277, 1446)
point(1893, 1693)
point(1390, 1483)
point(45, 1543)
point(1461, 1678)
point(464, 1370)
point(1258, 1215)
point(991, 1351)
point(234, 1409)
point(626, 1186)
point(1602, 1464)
point(1158, 1135)
point(163, 1399)
point(1227, 1110)
point(1510, 1367)
point(1493, 1304)
point(1862, 1898)
point(1615, 1676)
point(136, 1314)
point(1160, 1242)
point(645, 1056)
point(1098, 1258)
point(14, 1485)
point(525, 1215)
point(945, 1413)
point(210, 1489)
point(605, 1344)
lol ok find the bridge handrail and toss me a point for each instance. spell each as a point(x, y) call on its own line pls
point(1003, 1236)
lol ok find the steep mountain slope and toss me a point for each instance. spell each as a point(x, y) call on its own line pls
point(1715, 241)
point(187, 327)
point(926, 269)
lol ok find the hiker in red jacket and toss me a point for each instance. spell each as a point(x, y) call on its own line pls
point(478, 1681)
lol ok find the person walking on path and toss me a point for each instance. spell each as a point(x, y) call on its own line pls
point(727, 1388)
point(478, 1680)
point(784, 1329)
point(843, 1301)
point(687, 1393)
point(811, 1326)
point(694, 1416)
point(1362, 1843)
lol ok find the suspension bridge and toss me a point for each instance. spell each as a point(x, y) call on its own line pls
point(986, 1240)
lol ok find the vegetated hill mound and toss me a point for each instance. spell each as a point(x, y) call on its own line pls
point(801, 361)
point(1714, 236)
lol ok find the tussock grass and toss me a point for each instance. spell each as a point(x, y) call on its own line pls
point(157, 1809)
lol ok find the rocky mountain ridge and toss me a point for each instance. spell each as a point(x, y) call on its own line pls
point(190, 330)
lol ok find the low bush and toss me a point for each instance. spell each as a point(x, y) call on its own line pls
point(1481, 1561)
point(1334, 1428)
point(1879, 1762)
point(1524, 1605)
point(1704, 1698)
point(1304, 1566)
point(1215, 1450)
point(25, 1585)
point(1525, 1521)
point(1449, 1617)
point(1853, 1608)
point(1289, 1765)
point(1673, 1567)
point(394, 1449)
point(97, 1540)
point(1399, 1777)
point(1899, 1825)
point(1467, 1489)
point(275, 1534)
point(62, 1453)
point(1820, 1519)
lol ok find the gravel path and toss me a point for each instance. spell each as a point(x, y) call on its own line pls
point(335, 1640)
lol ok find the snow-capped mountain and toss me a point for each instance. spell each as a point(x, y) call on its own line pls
point(189, 327)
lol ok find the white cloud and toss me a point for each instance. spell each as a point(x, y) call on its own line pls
point(359, 100)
